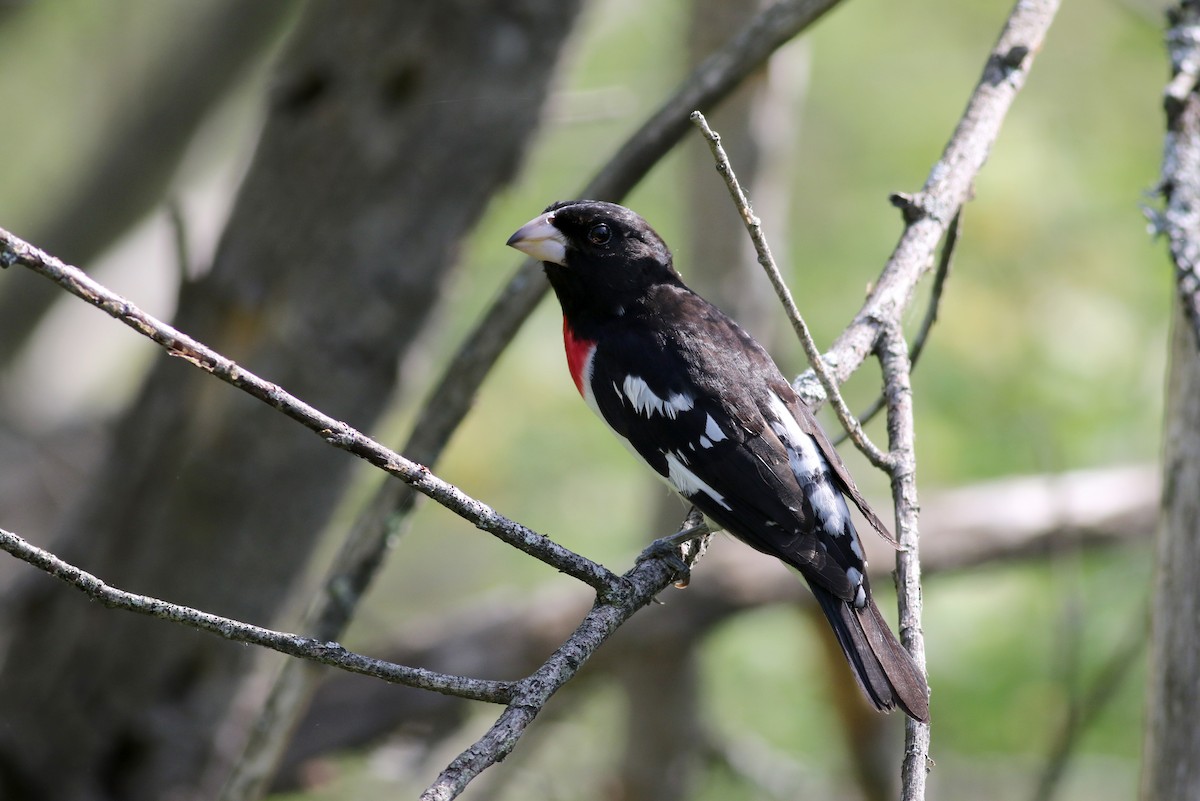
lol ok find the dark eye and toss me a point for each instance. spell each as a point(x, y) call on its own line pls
point(599, 234)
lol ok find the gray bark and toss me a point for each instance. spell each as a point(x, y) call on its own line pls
point(343, 233)
point(1170, 767)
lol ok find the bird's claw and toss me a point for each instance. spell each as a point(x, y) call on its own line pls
point(671, 550)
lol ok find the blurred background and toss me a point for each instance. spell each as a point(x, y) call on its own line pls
point(136, 133)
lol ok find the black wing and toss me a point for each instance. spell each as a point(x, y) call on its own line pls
point(700, 401)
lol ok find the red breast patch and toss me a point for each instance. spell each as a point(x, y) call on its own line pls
point(579, 351)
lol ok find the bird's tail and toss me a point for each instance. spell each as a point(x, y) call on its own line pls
point(886, 672)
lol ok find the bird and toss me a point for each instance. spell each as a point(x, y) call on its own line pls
point(697, 398)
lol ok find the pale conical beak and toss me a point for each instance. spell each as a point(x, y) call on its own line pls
point(541, 240)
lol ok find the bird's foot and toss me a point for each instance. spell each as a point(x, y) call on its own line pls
point(679, 551)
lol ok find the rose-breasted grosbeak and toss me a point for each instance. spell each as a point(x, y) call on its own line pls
point(696, 397)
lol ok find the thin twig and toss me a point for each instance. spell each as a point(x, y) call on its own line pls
point(767, 261)
point(326, 653)
point(897, 372)
point(928, 213)
point(931, 314)
point(336, 433)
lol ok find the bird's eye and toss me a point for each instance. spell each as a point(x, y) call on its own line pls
point(599, 234)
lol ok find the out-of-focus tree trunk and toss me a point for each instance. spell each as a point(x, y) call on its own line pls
point(1171, 767)
point(390, 126)
point(145, 138)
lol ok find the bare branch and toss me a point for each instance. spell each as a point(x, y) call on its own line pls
point(646, 580)
point(336, 433)
point(900, 463)
point(928, 213)
point(326, 653)
point(1016, 519)
point(754, 227)
point(931, 314)
point(897, 374)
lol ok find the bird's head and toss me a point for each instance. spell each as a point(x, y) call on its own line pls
point(596, 253)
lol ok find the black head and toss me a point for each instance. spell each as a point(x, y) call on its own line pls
point(599, 256)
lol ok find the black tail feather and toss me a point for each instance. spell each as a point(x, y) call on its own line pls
point(886, 672)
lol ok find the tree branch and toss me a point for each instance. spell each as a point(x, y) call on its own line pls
point(754, 228)
point(326, 653)
point(928, 213)
point(897, 375)
point(336, 433)
point(931, 314)
point(1016, 519)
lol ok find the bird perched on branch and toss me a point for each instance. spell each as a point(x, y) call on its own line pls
point(695, 396)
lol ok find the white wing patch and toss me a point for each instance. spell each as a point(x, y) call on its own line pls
point(860, 593)
point(811, 470)
point(688, 483)
point(646, 402)
point(712, 433)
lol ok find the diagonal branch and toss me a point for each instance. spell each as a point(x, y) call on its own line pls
point(647, 579)
point(1001, 522)
point(899, 463)
point(928, 213)
point(336, 433)
point(931, 314)
point(754, 227)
